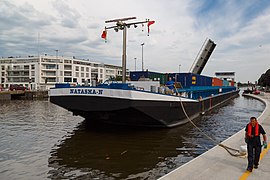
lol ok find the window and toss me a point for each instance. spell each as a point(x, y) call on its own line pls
point(82, 68)
point(3, 67)
point(67, 67)
point(77, 74)
point(74, 79)
point(82, 74)
point(87, 75)
point(101, 70)
point(3, 73)
point(67, 73)
point(67, 79)
point(32, 73)
point(87, 69)
point(50, 66)
point(50, 73)
point(51, 79)
point(77, 68)
point(68, 61)
point(32, 66)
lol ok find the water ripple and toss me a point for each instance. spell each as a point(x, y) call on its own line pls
point(40, 140)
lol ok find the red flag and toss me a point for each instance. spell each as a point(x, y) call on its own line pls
point(149, 24)
point(104, 35)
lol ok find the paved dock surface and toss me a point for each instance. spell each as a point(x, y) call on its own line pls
point(219, 165)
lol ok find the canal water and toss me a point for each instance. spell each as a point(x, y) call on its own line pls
point(40, 140)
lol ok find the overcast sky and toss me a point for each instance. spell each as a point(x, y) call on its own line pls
point(240, 28)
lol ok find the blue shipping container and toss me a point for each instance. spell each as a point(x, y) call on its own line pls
point(136, 75)
point(188, 79)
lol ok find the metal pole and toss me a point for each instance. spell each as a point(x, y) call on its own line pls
point(142, 56)
point(120, 25)
point(135, 63)
point(124, 57)
point(56, 55)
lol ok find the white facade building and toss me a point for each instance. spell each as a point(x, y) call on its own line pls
point(43, 72)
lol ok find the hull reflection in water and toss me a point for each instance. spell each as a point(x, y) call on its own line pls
point(121, 153)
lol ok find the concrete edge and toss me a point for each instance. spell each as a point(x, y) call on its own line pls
point(229, 138)
point(260, 99)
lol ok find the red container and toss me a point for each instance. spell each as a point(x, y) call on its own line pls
point(232, 83)
point(216, 82)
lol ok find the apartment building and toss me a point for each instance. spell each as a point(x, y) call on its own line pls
point(43, 72)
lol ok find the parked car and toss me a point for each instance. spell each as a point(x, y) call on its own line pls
point(15, 87)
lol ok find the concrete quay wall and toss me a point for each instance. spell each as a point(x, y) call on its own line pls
point(23, 95)
point(218, 164)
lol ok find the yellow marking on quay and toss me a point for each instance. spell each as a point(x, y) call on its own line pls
point(247, 173)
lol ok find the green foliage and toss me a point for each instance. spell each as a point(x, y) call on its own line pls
point(118, 78)
point(264, 80)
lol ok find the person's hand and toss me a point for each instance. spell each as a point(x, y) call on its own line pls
point(264, 144)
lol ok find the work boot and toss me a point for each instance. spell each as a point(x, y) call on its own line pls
point(249, 169)
point(256, 166)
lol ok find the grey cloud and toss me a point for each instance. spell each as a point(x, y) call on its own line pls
point(25, 16)
point(94, 26)
point(67, 40)
point(69, 16)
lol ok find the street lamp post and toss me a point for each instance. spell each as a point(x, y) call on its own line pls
point(124, 58)
point(142, 55)
point(135, 63)
point(56, 56)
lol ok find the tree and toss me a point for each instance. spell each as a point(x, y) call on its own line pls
point(264, 80)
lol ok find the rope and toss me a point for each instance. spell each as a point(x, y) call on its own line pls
point(237, 153)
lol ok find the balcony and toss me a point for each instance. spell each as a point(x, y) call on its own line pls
point(17, 69)
point(67, 73)
point(68, 67)
point(18, 74)
point(18, 80)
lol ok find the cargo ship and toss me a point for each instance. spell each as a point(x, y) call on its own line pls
point(149, 102)
point(126, 104)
